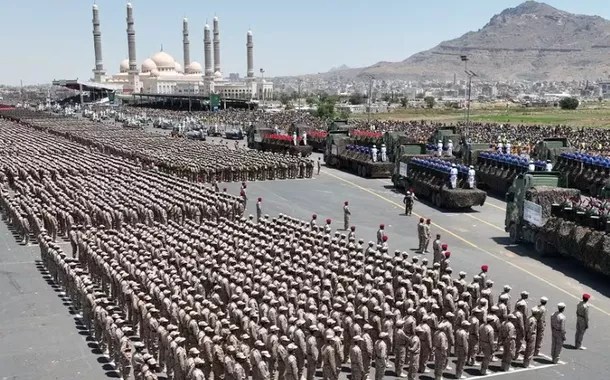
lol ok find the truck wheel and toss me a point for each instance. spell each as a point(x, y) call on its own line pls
point(540, 245)
point(513, 234)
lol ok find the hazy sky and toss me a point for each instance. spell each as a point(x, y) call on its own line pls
point(44, 40)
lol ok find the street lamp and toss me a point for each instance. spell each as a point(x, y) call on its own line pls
point(263, 87)
point(300, 82)
point(371, 79)
point(470, 75)
point(465, 59)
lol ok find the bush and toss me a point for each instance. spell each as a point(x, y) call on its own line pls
point(568, 103)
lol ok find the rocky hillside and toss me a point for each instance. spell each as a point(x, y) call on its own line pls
point(532, 41)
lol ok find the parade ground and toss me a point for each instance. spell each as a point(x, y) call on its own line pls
point(41, 337)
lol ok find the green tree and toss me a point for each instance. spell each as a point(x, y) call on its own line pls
point(310, 100)
point(404, 102)
point(429, 100)
point(568, 103)
point(326, 109)
point(357, 99)
point(285, 99)
point(344, 115)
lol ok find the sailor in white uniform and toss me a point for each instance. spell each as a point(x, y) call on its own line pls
point(453, 174)
point(531, 167)
point(439, 148)
point(471, 177)
point(500, 147)
point(450, 148)
point(549, 166)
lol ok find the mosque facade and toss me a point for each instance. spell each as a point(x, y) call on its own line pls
point(162, 74)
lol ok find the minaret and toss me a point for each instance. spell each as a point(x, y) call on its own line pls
point(99, 73)
point(185, 44)
point(207, 43)
point(250, 55)
point(216, 46)
point(134, 79)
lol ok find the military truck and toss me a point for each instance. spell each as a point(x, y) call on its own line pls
point(429, 177)
point(402, 155)
point(445, 134)
point(586, 172)
point(395, 140)
point(315, 138)
point(255, 135)
point(338, 126)
point(552, 148)
point(341, 152)
point(559, 221)
point(470, 152)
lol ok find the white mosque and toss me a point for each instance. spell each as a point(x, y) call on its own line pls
point(162, 74)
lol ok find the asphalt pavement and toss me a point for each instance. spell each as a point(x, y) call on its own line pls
point(475, 237)
point(42, 338)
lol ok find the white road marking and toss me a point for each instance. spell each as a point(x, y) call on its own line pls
point(515, 371)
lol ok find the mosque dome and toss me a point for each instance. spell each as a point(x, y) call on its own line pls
point(194, 68)
point(148, 65)
point(178, 67)
point(218, 75)
point(163, 60)
point(124, 66)
point(154, 72)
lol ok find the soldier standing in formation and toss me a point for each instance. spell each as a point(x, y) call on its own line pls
point(259, 209)
point(582, 321)
point(346, 215)
point(558, 334)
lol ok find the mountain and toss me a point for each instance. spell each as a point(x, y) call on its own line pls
point(532, 41)
point(340, 68)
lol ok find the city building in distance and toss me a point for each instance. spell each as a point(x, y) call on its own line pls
point(162, 74)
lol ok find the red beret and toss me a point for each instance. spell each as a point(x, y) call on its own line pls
point(224, 189)
point(421, 219)
point(346, 203)
point(314, 216)
point(428, 221)
point(381, 225)
point(586, 297)
point(353, 228)
point(245, 185)
point(447, 254)
point(328, 221)
point(484, 268)
point(260, 199)
point(411, 190)
point(444, 246)
point(385, 238)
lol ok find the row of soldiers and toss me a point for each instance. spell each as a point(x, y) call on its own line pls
point(238, 303)
point(195, 160)
point(95, 189)
point(278, 298)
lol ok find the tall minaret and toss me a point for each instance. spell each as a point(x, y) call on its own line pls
point(250, 56)
point(207, 43)
point(98, 72)
point(185, 44)
point(134, 79)
point(216, 46)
